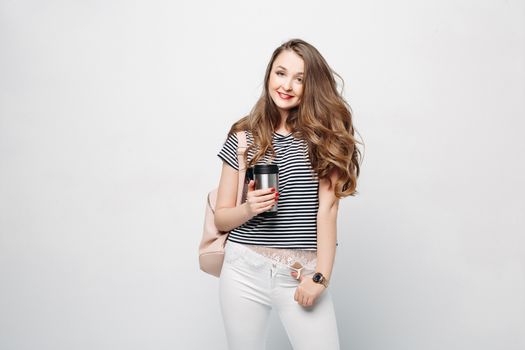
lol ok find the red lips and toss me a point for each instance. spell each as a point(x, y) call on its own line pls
point(284, 96)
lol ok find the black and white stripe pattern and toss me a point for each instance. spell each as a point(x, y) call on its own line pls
point(295, 226)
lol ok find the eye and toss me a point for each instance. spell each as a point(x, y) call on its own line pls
point(279, 73)
point(300, 80)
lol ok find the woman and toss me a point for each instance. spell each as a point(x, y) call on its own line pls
point(302, 124)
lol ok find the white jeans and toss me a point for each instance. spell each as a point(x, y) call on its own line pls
point(251, 285)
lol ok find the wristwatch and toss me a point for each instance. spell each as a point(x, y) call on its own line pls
point(319, 278)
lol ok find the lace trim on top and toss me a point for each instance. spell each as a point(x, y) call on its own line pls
point(307, 258)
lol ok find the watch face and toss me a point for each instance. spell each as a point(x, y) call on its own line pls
point(317, 277)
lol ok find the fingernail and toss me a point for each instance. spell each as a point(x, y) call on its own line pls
point(273, 189)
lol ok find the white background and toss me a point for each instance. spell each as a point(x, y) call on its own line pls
point(111, 116)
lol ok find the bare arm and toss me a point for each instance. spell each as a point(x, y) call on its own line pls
point(227, 215)
point(327, 226)
point(308, 291)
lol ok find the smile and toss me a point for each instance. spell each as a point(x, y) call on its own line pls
point(284, 96)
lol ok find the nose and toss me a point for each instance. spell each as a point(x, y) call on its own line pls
point(287, 85)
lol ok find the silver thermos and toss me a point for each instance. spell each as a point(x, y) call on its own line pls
point(266, 176)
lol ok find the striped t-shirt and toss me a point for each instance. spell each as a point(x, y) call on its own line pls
point(295, 226)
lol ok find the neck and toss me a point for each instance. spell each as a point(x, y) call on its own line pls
point(282, 124)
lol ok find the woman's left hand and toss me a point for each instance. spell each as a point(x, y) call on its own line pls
point(307, 291)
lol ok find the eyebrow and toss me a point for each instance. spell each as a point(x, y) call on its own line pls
point(300, 73)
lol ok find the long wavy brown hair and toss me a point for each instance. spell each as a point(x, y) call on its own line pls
point(323, 118)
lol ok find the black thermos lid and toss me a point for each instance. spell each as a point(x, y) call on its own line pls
point(266, 169)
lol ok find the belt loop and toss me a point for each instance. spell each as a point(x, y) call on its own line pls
point(274, 269)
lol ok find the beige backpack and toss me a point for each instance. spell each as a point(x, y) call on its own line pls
point(211, 248)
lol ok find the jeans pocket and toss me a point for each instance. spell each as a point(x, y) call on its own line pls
point(245, 257)
point(255, 262)
point(231, 254)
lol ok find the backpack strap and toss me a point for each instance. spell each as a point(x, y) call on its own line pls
point(242, 144)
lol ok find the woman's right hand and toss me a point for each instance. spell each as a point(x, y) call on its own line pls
point(259, 201)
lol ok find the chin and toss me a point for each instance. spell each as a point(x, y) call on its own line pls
point(285, 108)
